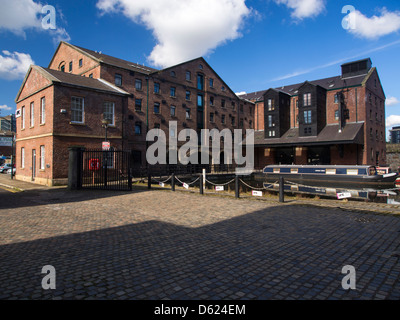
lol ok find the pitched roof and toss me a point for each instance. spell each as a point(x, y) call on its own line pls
point(124, 64)
point(331, 83)
point(69, 79)
point(351, 133)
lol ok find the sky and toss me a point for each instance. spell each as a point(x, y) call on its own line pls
point(253, 45)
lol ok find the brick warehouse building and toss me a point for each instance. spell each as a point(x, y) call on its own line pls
point(64, 104)
point(336, 120)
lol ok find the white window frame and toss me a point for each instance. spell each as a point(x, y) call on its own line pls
point(42, 157)
point(105, 111)
point(82, 110)
point(43, 110)
point(23, 117)
point(32, 113)
point(22, 157)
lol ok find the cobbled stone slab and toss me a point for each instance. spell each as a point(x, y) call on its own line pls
point(176, 245)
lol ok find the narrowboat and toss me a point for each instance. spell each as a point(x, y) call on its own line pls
point(326, 175)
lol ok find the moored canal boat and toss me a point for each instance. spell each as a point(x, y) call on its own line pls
point(340, 175)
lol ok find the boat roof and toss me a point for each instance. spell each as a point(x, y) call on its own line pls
point(318, 166)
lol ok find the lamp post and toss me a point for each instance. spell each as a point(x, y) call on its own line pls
point(105, 123)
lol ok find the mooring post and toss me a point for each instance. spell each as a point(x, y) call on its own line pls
point(281, 189)
point(148, 179)
point(237, 194)
point(173, 182)
point(201, 184)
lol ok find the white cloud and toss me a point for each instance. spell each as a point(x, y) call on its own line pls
point(241, 93)
point(14, 66)
point(392, 121)
point(304, 8)
point(391, 101)
point(183, 29)
point(5, 107)
point(374, 27)
point(17, 16)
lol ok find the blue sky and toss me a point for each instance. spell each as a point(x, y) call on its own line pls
point(253, 45)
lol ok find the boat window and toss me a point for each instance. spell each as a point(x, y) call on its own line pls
point(352, 172)
point(294, 170)
point(277, 170)
point(330, 171)
point(372, 171)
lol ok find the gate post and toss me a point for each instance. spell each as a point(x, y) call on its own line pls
point(173, 182)
point(237, 192)
point(75, 168)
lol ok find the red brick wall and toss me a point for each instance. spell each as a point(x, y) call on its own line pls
point(66, 54)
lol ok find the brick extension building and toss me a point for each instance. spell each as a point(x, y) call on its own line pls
point(336, 120)
point(64, 104)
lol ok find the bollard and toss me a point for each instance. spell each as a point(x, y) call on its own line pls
point(281, 190)
point(237, 194)
point(201, 185)
point(149, 180)
point(173, 182)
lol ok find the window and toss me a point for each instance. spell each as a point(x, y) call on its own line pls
point(118, 79)
point(187, 95)
point(211, 83)
point(188, 76)
point(173, 109)
point(42, 158)
point(91, 75)
point(77, 109)
point(337, 115)
point(271, 105)
point(271, 133)
point(199, 100)
point(80, 63)
point(108, 112)
point(138, 104)
point(307, 130)
point(223, 103)
point(138, 84)
point(172, 92)
point(307, 117)
point(223, 88)
point(187, 113)
point(211, 117)
point(62, 68)
point(138, 128)
point(241, 123)
point(156, 108)
point(156, 87)
point(241, 108)
point(233, 121)
point(200, 82)
point(32, 123)
point(200, 66)
point(70, 66)
point(42, 113)
point(172, 133)
point(233, 106)
point(250, 124)
point(307, 99)
point(337, 98)
point(271, 121)
point(23, 118)
point(22, 158)
point(157, 126)
point(223, 119)
point(211, 101)
point(173, 74)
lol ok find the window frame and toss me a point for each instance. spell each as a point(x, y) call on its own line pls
point(106, 104)
point(82, 111)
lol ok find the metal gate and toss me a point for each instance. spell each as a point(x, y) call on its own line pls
point(106, 170)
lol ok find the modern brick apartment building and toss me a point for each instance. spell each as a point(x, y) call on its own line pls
point(336, 120)
point(64, 104)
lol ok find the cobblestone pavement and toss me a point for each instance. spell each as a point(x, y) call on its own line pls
point(165, 245)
